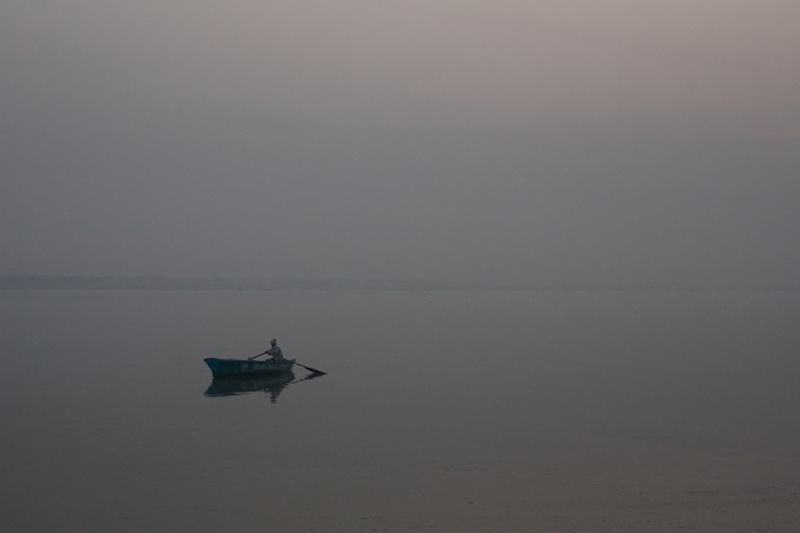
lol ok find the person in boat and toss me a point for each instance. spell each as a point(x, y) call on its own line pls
point(275, 352)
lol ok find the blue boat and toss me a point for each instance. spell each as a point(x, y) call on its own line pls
point(240, 367)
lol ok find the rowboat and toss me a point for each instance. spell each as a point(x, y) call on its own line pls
point(240, 367)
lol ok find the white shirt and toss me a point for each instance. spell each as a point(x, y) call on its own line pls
point(275, 352)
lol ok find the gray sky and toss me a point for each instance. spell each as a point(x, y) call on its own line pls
point(620, 143)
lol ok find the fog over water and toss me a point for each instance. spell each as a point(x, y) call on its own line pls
point(256, 148)
point(548, 143)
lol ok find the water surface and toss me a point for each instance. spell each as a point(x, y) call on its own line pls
point(441, 411)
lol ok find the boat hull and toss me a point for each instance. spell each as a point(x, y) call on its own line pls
point(240, 367)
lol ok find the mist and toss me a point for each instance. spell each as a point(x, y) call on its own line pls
point(554, 143)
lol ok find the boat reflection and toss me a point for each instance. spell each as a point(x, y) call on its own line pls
point(271, 383)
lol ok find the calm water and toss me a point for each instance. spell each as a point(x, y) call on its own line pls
point(442, 411)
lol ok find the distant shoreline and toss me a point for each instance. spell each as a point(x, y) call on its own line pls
point(170, 283)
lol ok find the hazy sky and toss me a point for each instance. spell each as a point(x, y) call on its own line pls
point(620, 143)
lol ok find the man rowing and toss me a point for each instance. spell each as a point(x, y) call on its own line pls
point(275, 352)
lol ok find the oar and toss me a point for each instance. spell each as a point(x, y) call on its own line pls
point(312, 370)
point(259, 355)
